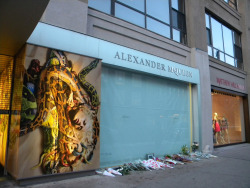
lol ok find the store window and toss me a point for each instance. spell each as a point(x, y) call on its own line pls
point(165, 17)
point(228, 118)
point(223, 43)
point(232, 3)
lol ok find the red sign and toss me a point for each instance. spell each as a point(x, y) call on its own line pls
point(234, 85)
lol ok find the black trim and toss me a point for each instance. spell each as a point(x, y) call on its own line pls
point(181, 18)
point(227, 91)
point(224, 145)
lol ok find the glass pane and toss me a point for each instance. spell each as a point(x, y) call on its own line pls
point(232, 4)
point(226, 1)
point(217, 34)
point(102, 5)
point(158, 27)
point(228, 119)
point(159, 10)
point(208, 37)
point(176, 35)
point(222, 56)
point(129, 15)
point(178, 20)
point(209, 50)
point(207, 21)
point(137, 4)
point(228, 41)
point(178, 5)
point(216, 54)
point(229, 60)
point(237, 39)
point(237, 52)
point(219, 55)
point(239, 64)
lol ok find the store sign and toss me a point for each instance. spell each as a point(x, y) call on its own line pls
point(112, 54)
point(223, 82)
point(153, 64)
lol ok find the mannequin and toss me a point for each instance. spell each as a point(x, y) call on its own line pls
point(224, 128)
point(216, 126)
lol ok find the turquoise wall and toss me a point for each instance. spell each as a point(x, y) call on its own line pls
point(141, 114)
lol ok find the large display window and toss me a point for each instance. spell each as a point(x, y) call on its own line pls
point(228, 118)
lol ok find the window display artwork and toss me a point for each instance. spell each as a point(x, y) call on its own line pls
point(60, 106)
point(228, 119)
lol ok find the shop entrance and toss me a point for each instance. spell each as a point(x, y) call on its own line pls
point(228, 118)
point(6, 68)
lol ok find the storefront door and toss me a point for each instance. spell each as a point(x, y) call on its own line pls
point(6, 66)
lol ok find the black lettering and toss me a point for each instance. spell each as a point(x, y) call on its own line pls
point(135, 59)
point(153, 64)
point(147, 62)
point(129, 58)
point(117, 55)
point(123, 57)
point(158, 66)
point(163, 67)
point(142, 62)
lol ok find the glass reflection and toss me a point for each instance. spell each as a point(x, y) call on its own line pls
point(209, 49)
point(158, 27)
point(178, 5)
point(129, 15)
point(217, 34)
point(176, 35)
point(159, 10)
point(102, 5)
point(229, 60)
point(228, 41)
point(137, 4)
point(207, 21)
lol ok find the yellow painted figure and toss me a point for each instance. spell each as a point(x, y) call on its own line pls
point(67, 107)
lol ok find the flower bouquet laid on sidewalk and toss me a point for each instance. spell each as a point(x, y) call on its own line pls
point(157, 163)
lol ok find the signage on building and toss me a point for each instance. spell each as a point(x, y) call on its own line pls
point(223, 82)
point(112, 54)
point(227, 81)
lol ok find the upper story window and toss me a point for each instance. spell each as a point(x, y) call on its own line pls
point(223, 43)
point(165, 17)
point(232, 3)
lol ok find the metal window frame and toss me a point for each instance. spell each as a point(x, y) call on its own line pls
point(224, 53)
point(183, 32)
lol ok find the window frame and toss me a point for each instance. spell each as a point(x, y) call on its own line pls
point(183, 32)
point(232, 3)
point(237, 56)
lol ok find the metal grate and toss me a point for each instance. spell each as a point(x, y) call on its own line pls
point(6, 67)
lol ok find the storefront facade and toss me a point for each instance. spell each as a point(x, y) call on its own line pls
point(146, 106)
point(229, 100)
point(144, 90)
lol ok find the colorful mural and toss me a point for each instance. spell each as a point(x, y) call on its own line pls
point(60, 97)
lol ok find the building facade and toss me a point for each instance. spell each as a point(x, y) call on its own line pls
point(99, 83)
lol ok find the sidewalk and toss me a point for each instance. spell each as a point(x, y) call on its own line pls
point(230, 169)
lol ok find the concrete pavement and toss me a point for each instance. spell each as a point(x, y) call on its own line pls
point(230, 169)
